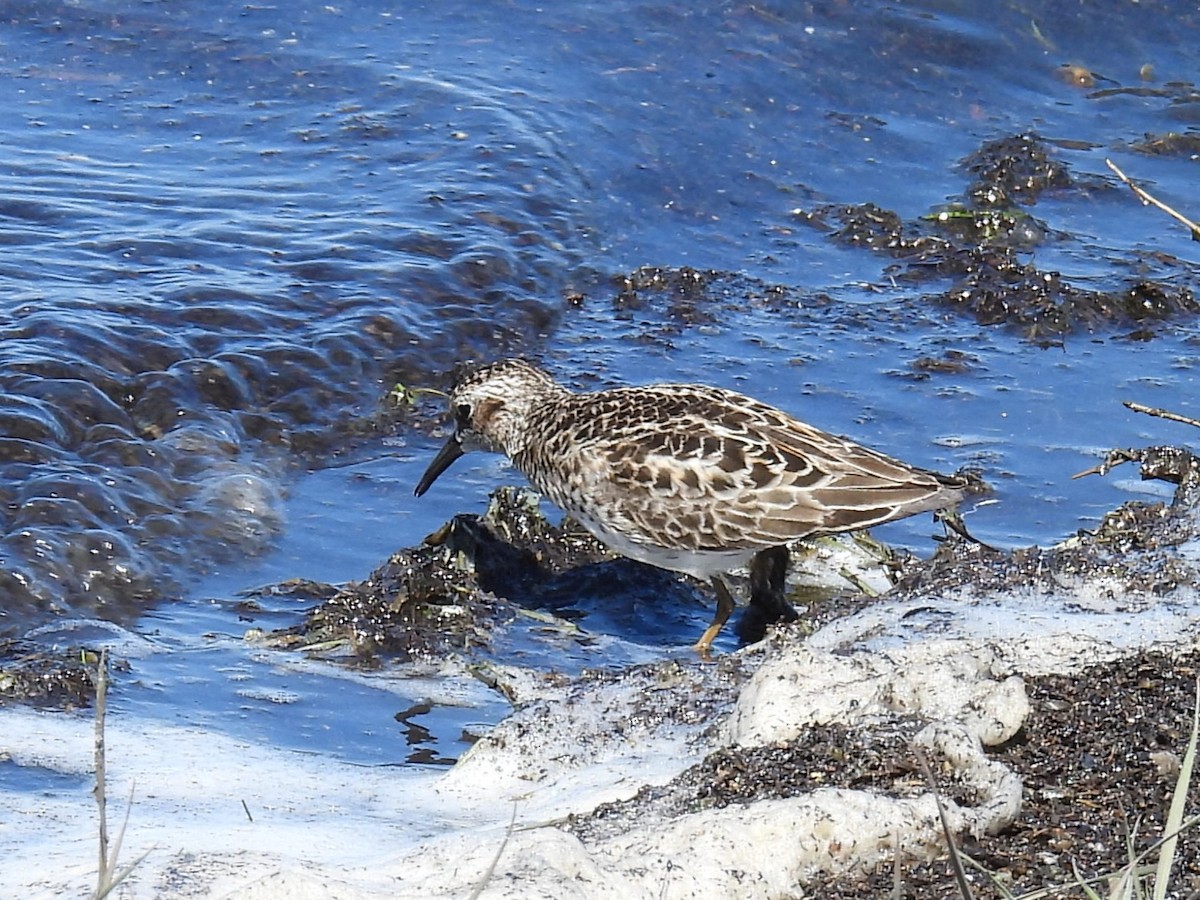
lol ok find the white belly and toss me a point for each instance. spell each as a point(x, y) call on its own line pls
point(700, 563)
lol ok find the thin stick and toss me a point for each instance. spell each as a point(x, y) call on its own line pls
point(960, 876)
point(491, 870)
point(108, 878)
point(1161, 413)
point(99, 756)
point(1145, 197)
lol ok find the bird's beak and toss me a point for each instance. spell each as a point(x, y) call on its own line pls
point(452, 450)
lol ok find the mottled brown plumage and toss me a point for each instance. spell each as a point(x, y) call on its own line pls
point(685, 477)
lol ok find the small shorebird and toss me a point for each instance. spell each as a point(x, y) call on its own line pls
point(685, 477)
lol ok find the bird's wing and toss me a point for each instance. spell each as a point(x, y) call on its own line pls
point(722, 473)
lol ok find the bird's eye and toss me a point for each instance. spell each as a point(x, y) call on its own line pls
point(462, 415)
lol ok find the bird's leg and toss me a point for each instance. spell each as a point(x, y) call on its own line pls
point(768, 584)
point(768, 594)
point(725, 607)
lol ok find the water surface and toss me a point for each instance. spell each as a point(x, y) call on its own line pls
point(227, 230)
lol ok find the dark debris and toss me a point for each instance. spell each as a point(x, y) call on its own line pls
point(978, 245)
point(1133, 547)
point(834, 755)
point(1013, 170)
point(690, 297)
point(980, 254)
point(973, 256)
point(1172, 143)
point(46, 677)
point(449, 593)
point(1098, 757)
point(1176, 465)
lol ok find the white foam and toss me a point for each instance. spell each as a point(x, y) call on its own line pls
point(325, 828)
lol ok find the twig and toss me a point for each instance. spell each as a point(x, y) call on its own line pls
point(1161, 413)
point(108, 877)
point(960, 876)
point(491, 870)
point(1145, 197)
point(103, 879)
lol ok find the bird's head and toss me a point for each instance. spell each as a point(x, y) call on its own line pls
point(490, 405)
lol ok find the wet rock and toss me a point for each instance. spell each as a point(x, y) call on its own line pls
point(240, 511)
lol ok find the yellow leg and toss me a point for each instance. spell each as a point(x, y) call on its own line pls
point(724, 611)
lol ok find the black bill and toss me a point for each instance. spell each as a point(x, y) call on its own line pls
point(448, 454)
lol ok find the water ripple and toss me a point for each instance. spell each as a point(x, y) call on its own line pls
point(206, 268)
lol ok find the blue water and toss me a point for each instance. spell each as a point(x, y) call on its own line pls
point(227, 230)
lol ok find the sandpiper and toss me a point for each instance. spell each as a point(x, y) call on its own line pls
point(685, 477)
